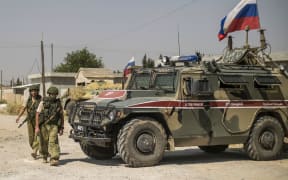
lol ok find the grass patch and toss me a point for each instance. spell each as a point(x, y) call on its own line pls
point(3, 101)
point(13, 108)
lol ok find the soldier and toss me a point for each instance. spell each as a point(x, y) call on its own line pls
point(50, 122)
point(31, 106)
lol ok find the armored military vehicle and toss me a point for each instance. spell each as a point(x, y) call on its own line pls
point(237, 100)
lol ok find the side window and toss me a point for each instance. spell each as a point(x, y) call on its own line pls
point(268, 87)
point(232, 82)
point(235, 86)
point(197, 87)
point(266, 82)
point(204, 86)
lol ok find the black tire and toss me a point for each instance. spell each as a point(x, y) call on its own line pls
point(97, 152)
point(285, 147)
point(214, 149)
point(69, 107)
point(142, 142)
point(265, 140)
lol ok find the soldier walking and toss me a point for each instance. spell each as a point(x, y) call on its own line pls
point(50, 123)
point(31, 106)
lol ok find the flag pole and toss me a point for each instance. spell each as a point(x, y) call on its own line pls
point(261, 31)
point(123, 79)
point(247, 40)
point(258, 14)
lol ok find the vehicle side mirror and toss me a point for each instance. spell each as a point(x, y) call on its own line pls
point(187, 89)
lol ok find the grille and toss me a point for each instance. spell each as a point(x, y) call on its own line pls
point(87, 113)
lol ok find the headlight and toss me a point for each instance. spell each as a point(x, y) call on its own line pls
point(112, 115)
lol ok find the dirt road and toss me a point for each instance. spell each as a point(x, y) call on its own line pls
point(16, 163)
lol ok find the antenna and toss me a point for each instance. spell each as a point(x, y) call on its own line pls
point(178, 41)
point(52, 54)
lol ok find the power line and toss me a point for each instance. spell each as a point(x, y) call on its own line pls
point(18, 47)
point(152, 21)
point(37, 66)
point(173, 11)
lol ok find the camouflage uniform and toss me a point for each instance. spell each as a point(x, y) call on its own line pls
point(31, 107)
point(50, 123)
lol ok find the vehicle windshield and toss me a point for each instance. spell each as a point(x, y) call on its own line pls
point(140, 80)
point(156, 79)
point(165, 81)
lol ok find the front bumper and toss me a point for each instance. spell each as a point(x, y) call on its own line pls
point(87, 121)
point(97, 141)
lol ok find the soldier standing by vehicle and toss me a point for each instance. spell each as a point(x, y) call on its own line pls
point(31, 106)
point(50, 122)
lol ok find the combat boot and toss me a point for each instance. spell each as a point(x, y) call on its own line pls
point(34, 155)
point(54, 162)
point(44, 160)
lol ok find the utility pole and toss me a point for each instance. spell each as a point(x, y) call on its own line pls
point(43, 68)
point(52, 58)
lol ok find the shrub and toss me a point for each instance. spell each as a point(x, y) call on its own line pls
point(3, 101)
point(13, 108)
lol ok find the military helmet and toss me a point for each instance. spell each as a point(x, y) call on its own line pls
point(52, 90)
point(34, 87)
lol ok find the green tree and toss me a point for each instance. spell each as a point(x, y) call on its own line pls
point(144, 61)
point(147, 62)
point(150, 63)
point(18, 82)
point(80, 58)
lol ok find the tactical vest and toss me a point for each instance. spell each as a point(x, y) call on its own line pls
point(32, 107)
point(52, 111)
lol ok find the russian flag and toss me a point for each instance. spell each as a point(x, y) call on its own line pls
point(127, 69)
point(243, 15)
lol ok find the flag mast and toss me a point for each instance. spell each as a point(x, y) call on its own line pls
point(247, 28)
point(261, 31)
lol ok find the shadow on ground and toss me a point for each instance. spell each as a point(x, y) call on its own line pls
point(187, 156)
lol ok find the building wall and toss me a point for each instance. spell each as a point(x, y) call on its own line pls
point(58, 80)
point(11, 97)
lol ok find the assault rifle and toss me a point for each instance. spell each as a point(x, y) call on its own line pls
point(22, 123)
point(42, 118)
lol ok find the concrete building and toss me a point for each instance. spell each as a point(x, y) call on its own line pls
point(62, 81)
point(88, 75)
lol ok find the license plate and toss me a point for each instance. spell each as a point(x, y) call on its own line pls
point(80, 128)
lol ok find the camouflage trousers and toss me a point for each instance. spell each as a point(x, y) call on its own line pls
point(49, 141)
point(33, 139)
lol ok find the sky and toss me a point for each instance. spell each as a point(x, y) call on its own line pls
point(116, 30)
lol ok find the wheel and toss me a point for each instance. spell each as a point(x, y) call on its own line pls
point(265, 140)
point(97, 152)
point(285, 147)
point(69, 107)
point(141, 142)
point(214, 149)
